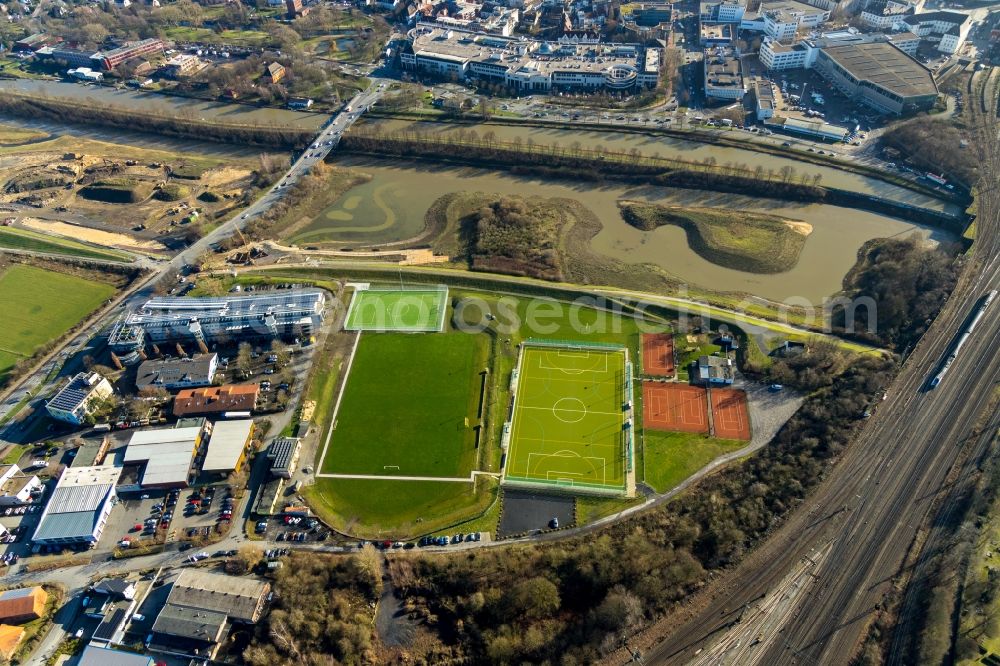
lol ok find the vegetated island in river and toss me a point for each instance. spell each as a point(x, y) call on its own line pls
point(742, 240)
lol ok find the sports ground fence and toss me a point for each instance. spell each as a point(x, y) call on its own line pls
point(564, 485)
point(361, 289)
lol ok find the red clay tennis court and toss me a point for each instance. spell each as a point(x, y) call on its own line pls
point(729, 414)
point(676, 407)
point(658, 354)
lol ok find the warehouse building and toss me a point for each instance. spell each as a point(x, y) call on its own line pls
point(878, 75)
point(873, 70)
point(37, 41)
point(529, 65)
point(228, 446)
point(166, 456)
point(177, 373)
point(216, 400)
point(79, 397)
point(101, 656)
point(78, 509)
point(199, 610)
point(286, 314)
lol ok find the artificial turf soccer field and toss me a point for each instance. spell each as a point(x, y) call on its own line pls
point(568, 426)
point(406, 405)
point(402, 310)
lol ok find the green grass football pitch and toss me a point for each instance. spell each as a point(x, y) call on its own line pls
point(409, 407)
point(408, 310)
point(568, 423)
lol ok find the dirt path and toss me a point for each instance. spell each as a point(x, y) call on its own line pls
point(95, 236)
point(394, 628)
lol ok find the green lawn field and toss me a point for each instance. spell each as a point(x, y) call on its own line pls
point(397, 310)
point(568, 426)
point(671, 457)
point(409, 406)
point(39, 306)
point(373, 508)
point(24, 239)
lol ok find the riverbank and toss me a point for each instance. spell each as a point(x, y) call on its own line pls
point(534, 127)
point(578, 163)
point(74, 111)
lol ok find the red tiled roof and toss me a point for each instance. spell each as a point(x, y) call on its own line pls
point(216, 399)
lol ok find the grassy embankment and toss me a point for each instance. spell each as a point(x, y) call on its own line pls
point(741, 240)
point(40, 306)
point(25, 239)
point(13, 136)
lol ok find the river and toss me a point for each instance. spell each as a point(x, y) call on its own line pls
point(179, 107)
point(668, 147)
point(392, 205)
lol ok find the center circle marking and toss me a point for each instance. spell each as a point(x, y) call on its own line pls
point(571, 407)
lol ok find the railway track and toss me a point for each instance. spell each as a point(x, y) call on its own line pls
point(893, 478)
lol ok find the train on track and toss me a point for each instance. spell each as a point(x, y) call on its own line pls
point(963, 338)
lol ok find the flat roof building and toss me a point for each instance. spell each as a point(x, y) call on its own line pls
point(217, 399)
point(880, 75)
point(529, 65)
point(763, 99)
point(278, 314)
point(874, 70)
point(723, 76)
point(79, 397)
point(815, 129)
point(168, 455)
point(108, 60)
point(102, 656)
point(228, 446)
point(177, 373)
point(716, 370)
point(78, 510)
point(283, 455)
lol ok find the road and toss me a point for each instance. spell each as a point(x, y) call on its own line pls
point(873, 502)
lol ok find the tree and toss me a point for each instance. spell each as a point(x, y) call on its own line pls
point(279, 349)
point(532, 599)
point(244, 359)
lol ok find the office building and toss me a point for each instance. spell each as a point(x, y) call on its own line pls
point(177, 373)
point(280, 314)
point(79, 397)
point(527, 65)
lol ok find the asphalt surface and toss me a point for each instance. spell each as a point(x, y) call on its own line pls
point(873, 502)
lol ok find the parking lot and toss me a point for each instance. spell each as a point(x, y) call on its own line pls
point(169, 516)
point(292, 529)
